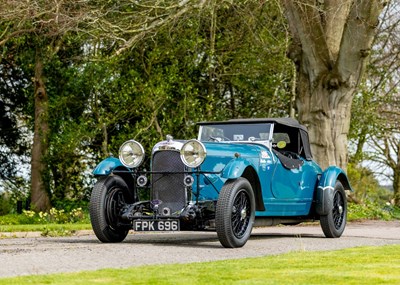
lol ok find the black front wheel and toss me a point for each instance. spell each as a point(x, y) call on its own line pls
point(109, 195)
point(334, 222)
point(235, 212)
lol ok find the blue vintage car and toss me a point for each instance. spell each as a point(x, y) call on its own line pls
point(236, 175)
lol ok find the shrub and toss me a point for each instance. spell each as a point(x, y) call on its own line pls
point(5, 204)
point(70, 205)
point(61, 217)
point(370, 211)
point(54, 216)
point(366, 186)
point(394, 211)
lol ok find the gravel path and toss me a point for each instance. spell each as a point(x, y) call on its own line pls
point(38, 255)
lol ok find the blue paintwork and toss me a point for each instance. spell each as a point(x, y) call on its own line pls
point(284, 192)
point(235, 167)
point(326, 186)
point(221, 159)
point(106, 166)
point(292, 190)
point(331, 175)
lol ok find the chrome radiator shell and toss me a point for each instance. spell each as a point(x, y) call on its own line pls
point(168, 182)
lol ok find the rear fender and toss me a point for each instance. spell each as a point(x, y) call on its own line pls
point(326, 186)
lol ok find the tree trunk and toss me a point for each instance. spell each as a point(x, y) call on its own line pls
point(396, 187)
point(396, 176)
point(331, 40)
point(40, 200)
point(326, 113)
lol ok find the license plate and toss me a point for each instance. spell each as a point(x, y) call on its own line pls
point(156, 225)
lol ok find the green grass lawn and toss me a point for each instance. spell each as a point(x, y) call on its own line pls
point(46, 229)
point(363, 265)
point(41, 227)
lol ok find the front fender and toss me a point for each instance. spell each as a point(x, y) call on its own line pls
point(326, 186)
point(106, 166)
point(235, 168)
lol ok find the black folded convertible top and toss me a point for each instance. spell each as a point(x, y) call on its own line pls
point(283, 121)
point(288, 122)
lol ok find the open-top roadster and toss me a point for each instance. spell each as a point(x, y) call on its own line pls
point(237, 174)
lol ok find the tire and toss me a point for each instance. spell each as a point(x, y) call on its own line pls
point(235, 212)
point(334, 223)
point(109, 195)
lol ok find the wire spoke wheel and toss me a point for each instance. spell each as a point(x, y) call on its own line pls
point(109, 196)
point(334, 223)
point(235, 213)
point(240, 214)
point(338, 210)
point(114, 202)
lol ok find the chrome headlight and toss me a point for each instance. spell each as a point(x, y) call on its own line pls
point(193, 153)
point(131, 153)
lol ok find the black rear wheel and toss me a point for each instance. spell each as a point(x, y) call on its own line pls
point(235, 212)
point(109, 195)
point(334, 223)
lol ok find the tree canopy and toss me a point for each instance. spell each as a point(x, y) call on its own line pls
point(77, 78)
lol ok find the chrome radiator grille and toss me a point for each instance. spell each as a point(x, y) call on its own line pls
point(168, 187)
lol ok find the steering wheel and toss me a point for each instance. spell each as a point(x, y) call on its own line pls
point(219, 139)
point(290, 154)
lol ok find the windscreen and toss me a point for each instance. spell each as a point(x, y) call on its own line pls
point(235, 132)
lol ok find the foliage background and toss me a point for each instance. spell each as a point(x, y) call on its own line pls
point(224, 60)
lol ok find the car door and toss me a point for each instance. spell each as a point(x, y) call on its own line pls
point(286, 182)
point(294, 183)
point(293, 176)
